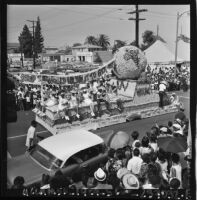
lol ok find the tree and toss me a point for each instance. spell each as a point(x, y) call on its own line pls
point(118, 44)
point(149, 38)
point(103, 41)
point(25, 40)
point(91, 40)
point(38, 42)
point(76, 44)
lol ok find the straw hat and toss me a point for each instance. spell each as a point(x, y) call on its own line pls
point(130, 181)
point(121, 172)
point(100, 175)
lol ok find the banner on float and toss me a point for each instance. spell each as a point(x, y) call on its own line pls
point(67, 79)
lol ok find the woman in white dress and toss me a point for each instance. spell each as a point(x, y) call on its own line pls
point(88, 100)
point(63, 105)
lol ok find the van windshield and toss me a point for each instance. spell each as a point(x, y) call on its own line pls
point(45, 158)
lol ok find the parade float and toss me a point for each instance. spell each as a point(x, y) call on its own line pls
point(138, 100)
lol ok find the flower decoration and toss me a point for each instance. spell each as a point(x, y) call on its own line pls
point(129, 62)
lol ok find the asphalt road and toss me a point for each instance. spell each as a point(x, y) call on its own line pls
point(16, 132)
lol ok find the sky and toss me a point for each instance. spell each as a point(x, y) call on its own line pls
point(68, 24)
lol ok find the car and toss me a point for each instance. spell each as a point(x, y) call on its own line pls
point(69, 152)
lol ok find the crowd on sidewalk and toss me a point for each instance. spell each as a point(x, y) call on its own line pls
point(140, 165)
point(175, 82)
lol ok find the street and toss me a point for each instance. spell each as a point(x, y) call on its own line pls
point(16, 132)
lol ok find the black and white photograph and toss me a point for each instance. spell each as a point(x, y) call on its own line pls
point(98, 101)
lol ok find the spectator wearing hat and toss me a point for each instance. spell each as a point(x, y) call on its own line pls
point(135, 136)
point(164, 130)
point(134, 164)
point(100, 180)
point(130, 181)
point(177, 129)
point(176, 169)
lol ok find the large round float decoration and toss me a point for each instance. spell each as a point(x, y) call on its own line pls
point(130, 62)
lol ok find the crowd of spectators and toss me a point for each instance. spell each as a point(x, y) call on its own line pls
point(140, 165)
point(175, 82)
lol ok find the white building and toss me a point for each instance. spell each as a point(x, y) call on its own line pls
point(85, 52)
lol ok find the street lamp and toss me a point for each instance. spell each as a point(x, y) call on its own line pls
point(176, 46)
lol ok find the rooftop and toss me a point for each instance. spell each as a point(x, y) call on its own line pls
point(87, 46)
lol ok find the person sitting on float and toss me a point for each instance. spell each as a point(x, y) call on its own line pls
point(51, 101)
point(88, 100)
point(102, 96)
point(62, 103)
point(74, 103)
point(66, 109)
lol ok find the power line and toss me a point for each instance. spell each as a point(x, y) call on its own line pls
point(87, 19)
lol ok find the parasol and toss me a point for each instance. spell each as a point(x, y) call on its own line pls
point(172, 144)
point(119, 140)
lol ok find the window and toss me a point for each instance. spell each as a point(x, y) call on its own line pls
point(46, 159)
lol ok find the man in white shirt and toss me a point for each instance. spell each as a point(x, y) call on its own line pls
point(134, 164)
point(162, 89)
point(31, 135)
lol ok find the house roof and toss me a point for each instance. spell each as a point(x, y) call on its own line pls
point(103, 56)
point(89, 46)
point(52, 48)
point(66, 144)
point(13, 45)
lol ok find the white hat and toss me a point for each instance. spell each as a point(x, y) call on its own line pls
point(130, 181)
point(122, 171)
point(176, 126)
point(100, 175)
point(178, 121)
point(164, 129)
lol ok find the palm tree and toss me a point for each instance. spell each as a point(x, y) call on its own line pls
point(91, 40)
point(103, 41)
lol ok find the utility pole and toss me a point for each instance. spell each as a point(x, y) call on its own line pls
point(177, 38)
point(34, 62)
point(137, 19)
point(157, 30)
